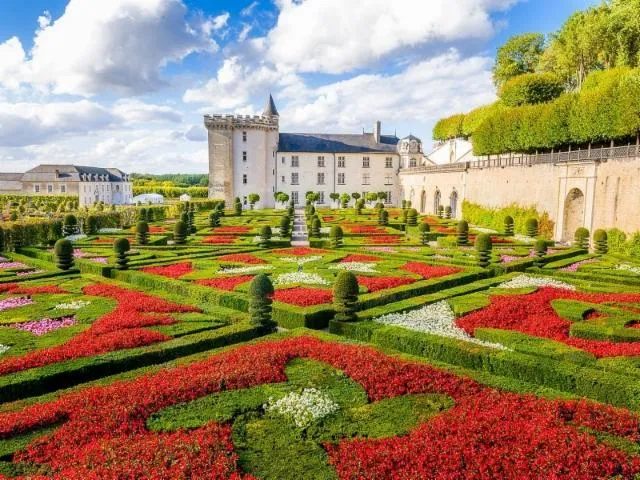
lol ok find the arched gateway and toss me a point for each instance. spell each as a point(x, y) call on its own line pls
point(574, 206)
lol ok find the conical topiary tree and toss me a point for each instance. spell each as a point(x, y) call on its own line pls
point(441, 211)
point(184, 218)
point(285, 226)
point(180, 233)
point(220, 208)
point(315, 227)
point(121, 246)
point(447, 212)
point(142, 233)
point(405, 215)
point(335, 236)
point(540, 249)
point(142, 214)
point(412, 217)
point(581, 238)
point(462, 237)
point(150, 216)
point(237, 208)
point(600, 242)
point(483, 247)
point(359, 206)
point(63, 251)
point(531, 227)
point(260, 293)
point(92, 225)
point(291, 211)
point(345, 296)
point(424, 230)
point(70, 225)
point(214, 219)
point(265, 236)
point(508, 226)
point(383, 218)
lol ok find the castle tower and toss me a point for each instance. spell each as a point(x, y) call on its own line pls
point(242, 155)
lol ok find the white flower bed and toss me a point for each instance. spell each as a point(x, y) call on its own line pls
point(301, 260)
point(484, 230)
point(251, 269)
point(303, 408)
point(300, 277)
point(76, 237)
point(4, 348)
point(628, 268)
point(364, 267)
point(437, 319)
point(523, 238)
point(525, 281)
point(325, 229)
point(110, 230)
point(75, 305)
point(258, 239)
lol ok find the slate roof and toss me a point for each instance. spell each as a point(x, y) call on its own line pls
point(270, 108)
point(72, 173)
point(336, 143)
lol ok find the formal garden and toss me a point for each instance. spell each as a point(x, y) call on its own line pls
point(198, 341)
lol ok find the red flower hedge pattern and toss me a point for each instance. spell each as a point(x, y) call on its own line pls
point(430, 271)
point(231, 229)
point(22, 290)
point(533, 314)
point(375, 284)
point(360, 258)
point(385, 239)
point(366, 229)
point(228, 283)
point(220, 240)
point(487, 434)
point(170, 271)
point(303, 296)
point(299, 251)
point(122, 328)
point(241, 258)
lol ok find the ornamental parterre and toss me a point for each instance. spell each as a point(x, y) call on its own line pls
point(100, 431)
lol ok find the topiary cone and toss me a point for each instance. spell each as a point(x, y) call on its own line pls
point(483, 246)
point(601, 242)
point(335, 236)
point(142, 233)
point(508, 226)
point(424, 230)
point(462, 237)
point(581, 238)
point(265, 236)
point(180, 233)
point(540, 247)
point(260, 293)
point(63, 251)
point(345, 296)
point(531, 227)
point(121, 246)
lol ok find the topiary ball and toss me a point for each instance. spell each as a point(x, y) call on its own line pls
point(345, 296)
point(601, 242)
point(121, 245)
point(531, 227)
point(581, 238)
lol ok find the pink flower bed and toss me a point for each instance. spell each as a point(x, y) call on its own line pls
point(14, 302)
point(575, 266)
point(46, 325)
point(12, 265)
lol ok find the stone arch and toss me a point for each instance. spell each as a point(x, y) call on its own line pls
point(423, 202)
point(437, 198)
point(453, 203)
point(574, 209)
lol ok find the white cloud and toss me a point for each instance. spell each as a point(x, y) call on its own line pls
point(214, 24)
point(117, 46)
point(44, 20)
point(135, 111)
point(248, 10)
point(244, 33)
point(336, 36)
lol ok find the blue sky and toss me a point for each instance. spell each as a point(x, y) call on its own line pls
point(126, 82)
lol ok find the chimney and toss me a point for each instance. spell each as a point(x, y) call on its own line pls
point(377, 127)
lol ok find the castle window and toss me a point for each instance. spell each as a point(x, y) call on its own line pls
point(366, 179)
point(321, 199)
point(244, 156)
point(388, 180)
point(294, 197)
point(320, 161)
point(63, 189)
point(244, 136)
point(49, 188)
point(412, 163)
point(295, 161)
point(294, 178)
point(388, 162)
point(244, 178)
point(341, 179)
point(341, 162)
point(320, 178)
point(388, 198)
point(282, 178)
point(365, 162)
point(36, 188)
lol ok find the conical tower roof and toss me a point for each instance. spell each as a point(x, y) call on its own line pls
point(270, 109)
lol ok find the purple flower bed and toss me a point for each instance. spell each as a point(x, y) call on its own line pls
point(103, 260)
point(77, 253)
point(509, 258)
point(28, 272)
point(46, 325)
point(14, 302)
point(574, 266)
point(8, 265)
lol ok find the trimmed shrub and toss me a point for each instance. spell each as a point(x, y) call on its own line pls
point(192, 223)
point(359, 206)
point(265, 236)
point(237, 209)
point(260, 303)
point(142, 214)
point(379, 206)
point(63, 251)
point(483, 247)
point(70, 225)
point(450, 127)
point(424, 230)
point(412, 217)
point(285, 226)
point(150, 216)
point(315, 227)
point(540, 247)
point(121, 246)
point(441, 211)
point(291, 211)
point(92, 225)
point(17, 236)
point(311, 210)
point(383, 217)
point(184, 218)
point(462, 237)
point(335, 236)
point(214, 219)
point(601, 242)
point(581, 238)
point(142, 233)
point(447, 212)
point(345, 296)
point(180, 233)
point(405, 214)
point(508, 226)
point(531, 227)
point(531, 88)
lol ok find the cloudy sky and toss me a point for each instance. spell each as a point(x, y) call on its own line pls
point(125, 83)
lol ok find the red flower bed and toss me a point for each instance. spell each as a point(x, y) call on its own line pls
point(487, 434)
point(533, 314)
point(328, 218)
point(231, 229)
point(170, 271)
point(431, 220)
point(303, 296)
point(430, 271)
point(385, 239)
point(366, 229)
point(242, 258)
point(494, 239)
point(375, 284)
point(447, 230)
point(22, 290)
point(300, 251)
point(360, 258)
point(228, 283)
point(103, 241)
point(220, 240)
point(123, 328)
point(155, 229)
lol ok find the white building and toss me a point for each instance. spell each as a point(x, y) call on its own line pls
point(248, 154)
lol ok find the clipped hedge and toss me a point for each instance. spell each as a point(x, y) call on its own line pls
point(494, 217)
point(531, 88)
point(450, 127)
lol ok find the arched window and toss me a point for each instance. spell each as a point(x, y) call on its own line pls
point(453, 203)
point(436, 201)
point(413, 163)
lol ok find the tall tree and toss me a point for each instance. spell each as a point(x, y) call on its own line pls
point(520, 54)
